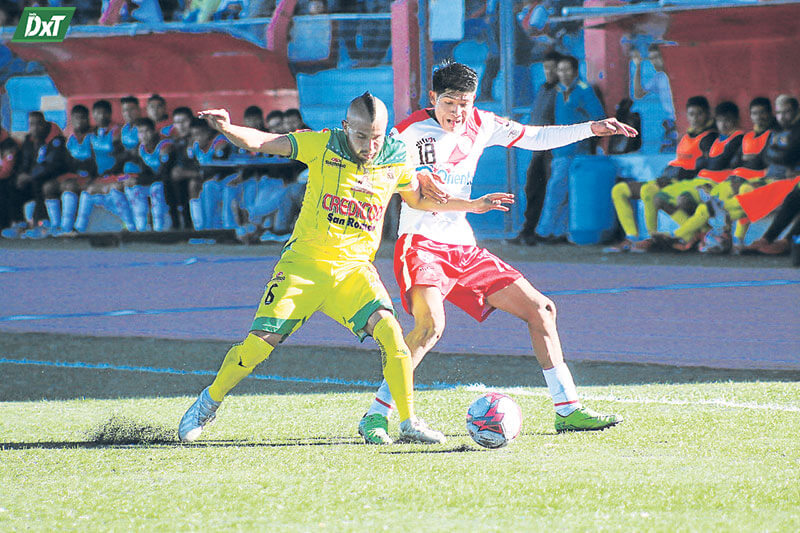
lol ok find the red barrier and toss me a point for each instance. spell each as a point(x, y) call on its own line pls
point(195, 70)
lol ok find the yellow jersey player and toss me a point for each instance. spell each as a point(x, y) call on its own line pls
point(326, 264)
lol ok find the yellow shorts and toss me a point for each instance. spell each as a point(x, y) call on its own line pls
point(347, 291)
point(674, 190)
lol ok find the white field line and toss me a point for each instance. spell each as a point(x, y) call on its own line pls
point(519, 391)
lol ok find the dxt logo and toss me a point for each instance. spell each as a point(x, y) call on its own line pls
point(43, 24)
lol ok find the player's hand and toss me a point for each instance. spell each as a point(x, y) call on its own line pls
point(612, 126)
point(429, 188)
point(495, 201)
point(216, 118)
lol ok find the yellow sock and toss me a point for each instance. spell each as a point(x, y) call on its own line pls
point(648, 193)
point(621, 196)
point(723, 191)
point(397, 369)
point(742, 225)
point(240, 360)
point(695, 223)
point(680, 216)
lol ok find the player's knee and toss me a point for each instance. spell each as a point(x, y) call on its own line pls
point(50, 189)
point(429, 330)
point(648, 191)
point(621, 192)
point(253, 351)
point(662, 201)
point(542, 315)
point(702, 212)
point(686, 203)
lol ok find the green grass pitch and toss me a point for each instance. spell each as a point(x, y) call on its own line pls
point(691, 456)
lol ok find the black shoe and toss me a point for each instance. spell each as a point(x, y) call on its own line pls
point(524, 239)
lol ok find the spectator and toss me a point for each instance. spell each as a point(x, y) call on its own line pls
point(157, 111)
point(82, 166)
point(105, 139)
point(293, 121)
point(205, 181)
point(177, 185)
point(542, 114)
point(130, 113)
point(152, 157)
point(8, 161)
point(576, 102)
point(689, 159)
point(620, 144)
point(275, 122)
point(659, 86)
point(43, 157)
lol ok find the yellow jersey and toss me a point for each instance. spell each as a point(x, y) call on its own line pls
point(341, 218)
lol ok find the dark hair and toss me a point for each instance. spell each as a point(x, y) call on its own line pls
point(366, 100)
point(572, 61)
point(8, 144)
point(129, 100)
point(698, 101)
point(275, 113)
point(156, 97)
point(761, 101)
point(81, 109)
point(653, 47)
point(294, 112)
point(793, 103)
point(552, 55)
point(182, 110)
point(199, 123)
point(452, 76)
point(727, 109)
point(254, 111)
point(145, 122)
point(37, 114)
point(102, 104)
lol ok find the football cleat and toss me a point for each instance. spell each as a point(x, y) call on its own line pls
point(199, 415)
point(375, 429)
point(625, 245)
point(414, 430)
point(584, 419)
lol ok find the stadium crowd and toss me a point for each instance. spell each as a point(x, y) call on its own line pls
point(154, 172)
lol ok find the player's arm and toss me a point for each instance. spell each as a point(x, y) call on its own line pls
point(496, 201)
point(248, 138)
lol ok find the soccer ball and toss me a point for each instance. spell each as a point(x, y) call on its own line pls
point(494, 420)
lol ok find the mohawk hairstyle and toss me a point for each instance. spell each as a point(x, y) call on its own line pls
point(453, 76)
point(368, 101)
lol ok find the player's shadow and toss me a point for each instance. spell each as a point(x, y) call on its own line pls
point(454, 449)
point(90, 444)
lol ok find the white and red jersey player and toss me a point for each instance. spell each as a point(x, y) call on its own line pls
point(438, 249)
point(453, 156)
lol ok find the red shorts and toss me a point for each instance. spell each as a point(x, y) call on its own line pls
point(465, 275)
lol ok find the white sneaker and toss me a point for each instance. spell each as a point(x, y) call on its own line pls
point(199, 415)
point(415, 430)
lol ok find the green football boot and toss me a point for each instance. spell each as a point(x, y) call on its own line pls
point(375, 429)
point(584, 419)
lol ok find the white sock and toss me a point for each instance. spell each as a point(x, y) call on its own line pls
point(562, 389)
point(382, 404)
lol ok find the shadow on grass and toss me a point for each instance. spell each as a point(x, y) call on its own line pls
point(457, 449)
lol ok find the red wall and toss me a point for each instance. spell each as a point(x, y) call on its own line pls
point(723, 54)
